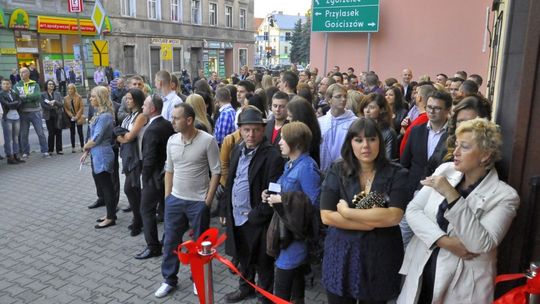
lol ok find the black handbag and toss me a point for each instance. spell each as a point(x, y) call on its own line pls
point(66, 121)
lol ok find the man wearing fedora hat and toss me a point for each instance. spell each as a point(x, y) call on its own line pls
point(254, 164)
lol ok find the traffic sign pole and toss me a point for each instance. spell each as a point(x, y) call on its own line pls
point(368, 52)
point(83, 66)
point(325, 53)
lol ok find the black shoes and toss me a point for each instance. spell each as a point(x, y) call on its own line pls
point(11, 160)
point(98, 226)
point(128, 209)
point(135, 231)
point(237, 296)
point(18, 159)
point(148, 253)
point(96, 204)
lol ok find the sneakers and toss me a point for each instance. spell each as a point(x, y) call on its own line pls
point(25, 156)
point(73, 150)
point(163, 290)
point(46, 155)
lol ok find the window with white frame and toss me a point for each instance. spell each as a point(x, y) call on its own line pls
point(176, 10)
point(212, 12)
point(196, 12)
point(242, 19)
point(127, 8)
point(154, 9)
point(242, 57)
point(228, 16)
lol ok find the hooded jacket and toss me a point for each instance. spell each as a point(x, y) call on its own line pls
point(333, 131)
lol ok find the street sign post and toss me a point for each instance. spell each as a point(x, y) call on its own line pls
point(75, 6)
point(100, 51)
point(345, 16)
point(98, 16)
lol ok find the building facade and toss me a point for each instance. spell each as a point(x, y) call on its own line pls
point(213, 35)
point(43, 33)
point(274, 38)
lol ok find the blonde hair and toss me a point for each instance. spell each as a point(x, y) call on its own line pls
point(487, 136)
point(267, 82)
point(196, 101)
point(354, 102)
point(72, 86)
point(103, 101)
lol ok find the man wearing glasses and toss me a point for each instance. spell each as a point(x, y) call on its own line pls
point(426, 146)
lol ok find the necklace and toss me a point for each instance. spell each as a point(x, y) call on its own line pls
point(366, 180)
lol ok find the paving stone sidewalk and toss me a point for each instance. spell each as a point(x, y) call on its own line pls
point(51, 253)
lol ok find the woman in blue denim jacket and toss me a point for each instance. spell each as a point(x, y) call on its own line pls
point(301, 174)
point(101, 152)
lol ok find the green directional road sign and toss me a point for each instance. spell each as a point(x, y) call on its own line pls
point(345, 16)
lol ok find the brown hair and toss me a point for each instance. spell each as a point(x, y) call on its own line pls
point(297, 135)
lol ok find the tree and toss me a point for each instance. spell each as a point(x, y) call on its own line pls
point(306, 38)
point(296, 43)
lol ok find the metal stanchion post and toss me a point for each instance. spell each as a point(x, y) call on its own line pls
point(533, 272)
point(208, 279)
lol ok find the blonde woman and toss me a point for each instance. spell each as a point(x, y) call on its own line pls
point(354, 102)
point(100, 150)
point(267, 82)
point(74, 107)
point(201, 119)
point(459, 218)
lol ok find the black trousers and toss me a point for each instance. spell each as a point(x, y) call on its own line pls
point(104, 184)
point(253, 261)
point(73, 125)
point(55, 135)
point(150, 197)
point(289, 282)
point(335, 299)
point(62, 87)
point(132, 189)
point(115, 181)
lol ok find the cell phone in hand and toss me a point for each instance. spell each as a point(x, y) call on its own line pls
point(274, 188)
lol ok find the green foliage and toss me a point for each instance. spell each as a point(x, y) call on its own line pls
point(300, 42)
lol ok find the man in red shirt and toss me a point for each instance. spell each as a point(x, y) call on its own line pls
point(279, 118)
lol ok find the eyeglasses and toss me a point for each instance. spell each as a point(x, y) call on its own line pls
point(433, 109)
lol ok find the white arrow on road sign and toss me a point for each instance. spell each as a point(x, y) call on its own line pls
point(317, 1)
point(318, 14)
point(372, 24)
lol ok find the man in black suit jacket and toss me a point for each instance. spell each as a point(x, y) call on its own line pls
point(154, 155)
point(406, 77)
point(426, 146)
point(272, 130)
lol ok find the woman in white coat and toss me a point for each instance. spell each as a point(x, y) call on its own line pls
point(459, 218)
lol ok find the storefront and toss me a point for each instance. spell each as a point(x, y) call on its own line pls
point(48, 42)
point(214, 54)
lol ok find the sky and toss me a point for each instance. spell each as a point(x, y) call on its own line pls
point(289, 7)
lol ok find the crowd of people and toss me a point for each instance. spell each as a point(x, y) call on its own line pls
point(389, 186)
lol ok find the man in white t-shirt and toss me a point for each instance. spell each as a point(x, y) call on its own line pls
point(189, 191)
point(170, 99)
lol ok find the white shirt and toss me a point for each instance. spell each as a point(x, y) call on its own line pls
point(169, 102)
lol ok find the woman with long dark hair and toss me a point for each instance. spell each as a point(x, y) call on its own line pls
point(363, 199)
point(394, 97)
point(299, 109)
point(52, 104)
point(377, 108)
point(131, 154)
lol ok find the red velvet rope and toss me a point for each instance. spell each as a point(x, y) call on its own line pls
point(188, 253)
point(519, 294)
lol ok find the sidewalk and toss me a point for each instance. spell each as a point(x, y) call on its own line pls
point(51, 252)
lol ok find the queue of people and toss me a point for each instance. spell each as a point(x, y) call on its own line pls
point(394, 182)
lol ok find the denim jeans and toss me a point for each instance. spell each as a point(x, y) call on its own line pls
point(11, 135)
point(37, 121)
point(177, 214)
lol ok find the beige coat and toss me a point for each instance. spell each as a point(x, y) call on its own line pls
point(480, 221)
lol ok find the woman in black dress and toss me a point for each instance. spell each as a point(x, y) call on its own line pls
point(363, 199)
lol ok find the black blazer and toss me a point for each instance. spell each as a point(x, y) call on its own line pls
point(414, 156)
point(266, 166)
point(7, 103)
point(154, 151)
point(269, 130)
point(408, 94)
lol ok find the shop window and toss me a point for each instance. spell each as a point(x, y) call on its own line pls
point(242, 19)
point(26, 42)
point(176, 10)
point(50, 44)
point(127, 8)
point(195, 11)
point(228, 16)
point(242, 57)
point(155, 63)
point(212, 10)
point(154, 9)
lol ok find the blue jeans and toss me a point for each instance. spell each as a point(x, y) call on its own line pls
point(177, 214)
point(11, 135)
point(37, 121)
